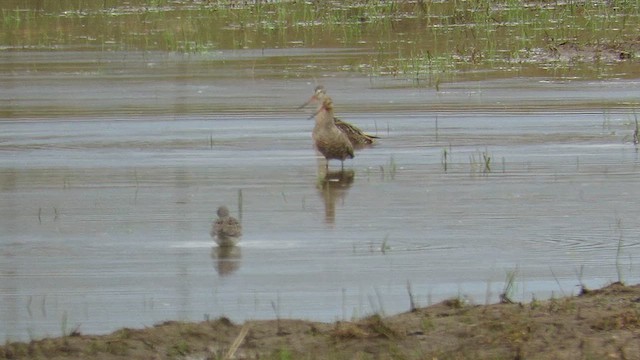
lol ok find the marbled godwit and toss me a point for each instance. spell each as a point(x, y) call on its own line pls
point(356, 136)
point(328, 139)
point(226, 230)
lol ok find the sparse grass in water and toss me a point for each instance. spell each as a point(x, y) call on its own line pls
point(425, 42)
point(412, 303)
point(506, 297)
point(384, 247)
point(486, 160)
point(619, 250)
point(480, 162)
point(445, 159)
point(557, 282)
point(390, 169)
point(63, 324)
point(636, 130)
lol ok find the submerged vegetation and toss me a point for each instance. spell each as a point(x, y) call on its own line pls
point(424, 41)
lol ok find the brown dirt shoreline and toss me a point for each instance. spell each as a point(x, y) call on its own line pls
point(598, 324)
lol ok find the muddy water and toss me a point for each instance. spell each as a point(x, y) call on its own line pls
point(111, 172)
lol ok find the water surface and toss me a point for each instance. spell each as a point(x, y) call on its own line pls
point(110, 176)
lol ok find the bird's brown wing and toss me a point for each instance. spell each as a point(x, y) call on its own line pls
point(356, 136)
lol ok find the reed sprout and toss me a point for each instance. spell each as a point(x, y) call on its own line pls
point(506, 297)
point(390, 169)
point(480, 162)
point(636, 131)
point(619, 250)
point(446, 157)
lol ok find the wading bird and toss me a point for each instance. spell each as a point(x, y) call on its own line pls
point(330, 141)
point(356, 136)
point(226, 230)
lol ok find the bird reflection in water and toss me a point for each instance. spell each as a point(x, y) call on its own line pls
point(226, 259)
point(333, 187)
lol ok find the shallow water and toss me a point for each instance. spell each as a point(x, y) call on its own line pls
point(109, 181)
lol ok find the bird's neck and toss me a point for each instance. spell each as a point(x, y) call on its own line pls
point(325, 118)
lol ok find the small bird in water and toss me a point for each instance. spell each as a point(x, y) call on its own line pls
point(356, 136)
point(226, 230)
point(327, 137)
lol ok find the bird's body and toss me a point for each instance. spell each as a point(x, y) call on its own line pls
point(226, 230)
point(330, 141)
point(356, 136)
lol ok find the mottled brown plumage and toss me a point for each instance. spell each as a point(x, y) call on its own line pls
point(226, 230)
point(327, 137)
point(356, 136)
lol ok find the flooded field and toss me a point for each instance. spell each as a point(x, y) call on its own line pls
point(112, 166)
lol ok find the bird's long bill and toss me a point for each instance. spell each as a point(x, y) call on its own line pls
point(307, 103)
point(314, 113)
